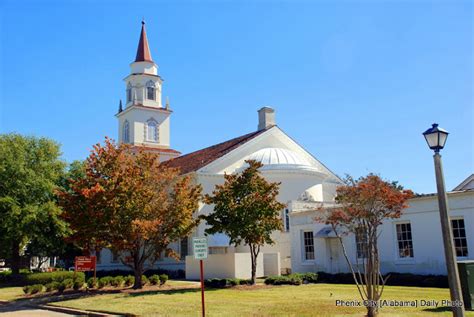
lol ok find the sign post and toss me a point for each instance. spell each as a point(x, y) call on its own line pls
point(85, 263)
point(200, 253)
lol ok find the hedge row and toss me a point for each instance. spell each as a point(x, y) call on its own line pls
point(292, 279)
point(78, 283)
point(225, 282)
point(54, 286)
point(395, 279)
point(129, 280)
point(28, 278)
point(6, 278)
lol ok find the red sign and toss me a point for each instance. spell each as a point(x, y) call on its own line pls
point(85, 263)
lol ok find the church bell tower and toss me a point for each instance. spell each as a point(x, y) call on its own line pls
point(144, 121)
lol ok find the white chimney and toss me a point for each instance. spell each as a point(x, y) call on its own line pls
point(266, 118)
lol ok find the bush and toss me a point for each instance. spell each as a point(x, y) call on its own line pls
point(233, 281)
point(53, 286)
point(58, 276)
point(292, 279)
point(129, 280)
point(144, 280)
point(154, 279)
point(79, 278)
point(225, 282)
point(245, 282)
point(37, 288)
point(77, 285)
point(66, 284)
point(163, 279)
point(216, 282)
point(91, 282)
point(104, 281)
point(27, 289)
point(308, 277)
point(117, 281)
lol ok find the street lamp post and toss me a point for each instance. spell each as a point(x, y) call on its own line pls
point(436, 139)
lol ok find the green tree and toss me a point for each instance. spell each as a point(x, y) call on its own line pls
point(128, 202)
point(246, 209)
point(30, 170)
point(48, 239)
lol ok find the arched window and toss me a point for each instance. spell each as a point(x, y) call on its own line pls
point(150, 90)
point(129, 92)
point(126, 132)
point(152, 130)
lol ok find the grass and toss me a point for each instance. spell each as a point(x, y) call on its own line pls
point(10, 293)
point(304, 300)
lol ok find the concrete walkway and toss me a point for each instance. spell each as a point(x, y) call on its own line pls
point(32, 312)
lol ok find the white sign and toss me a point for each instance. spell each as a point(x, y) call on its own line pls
point(200, 248)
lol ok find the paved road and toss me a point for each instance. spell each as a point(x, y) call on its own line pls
point(33, 313)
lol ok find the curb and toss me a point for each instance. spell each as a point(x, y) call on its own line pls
point(76, 312)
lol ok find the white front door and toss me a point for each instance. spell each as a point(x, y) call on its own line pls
point(335, 255)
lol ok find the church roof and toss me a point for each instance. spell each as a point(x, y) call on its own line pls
point(143, 50)
point(466, 184)
point(193, 161)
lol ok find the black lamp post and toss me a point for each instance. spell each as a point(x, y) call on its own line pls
point(436, 139)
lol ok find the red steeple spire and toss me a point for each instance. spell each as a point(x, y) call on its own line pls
point(143, 51)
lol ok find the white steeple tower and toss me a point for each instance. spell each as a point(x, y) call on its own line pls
point(144, 121)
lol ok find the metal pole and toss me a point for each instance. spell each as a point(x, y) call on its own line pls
point(453, 275)
point(202, 289)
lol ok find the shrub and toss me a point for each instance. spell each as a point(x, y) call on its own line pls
point(144, 280)
point(91, 282)
point(37, 288)
point(104, 281)
point(216, 282)
point(163, 279)
point(292, 279)
point(79, 278)
point(245, 282)
point(154, 279)
point(58, 276)
point(232, 281)
point(77, 285)
point(225, 282)
point(53, 286)
point(117, 281)
point(27, 289)
point(66, 284)
point(308, 277)
point(129, 280)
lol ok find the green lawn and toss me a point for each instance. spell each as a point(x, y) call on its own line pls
point(304, 300)
point(10, 293)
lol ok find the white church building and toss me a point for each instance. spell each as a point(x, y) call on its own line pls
point(145, 122)
point(303, 245)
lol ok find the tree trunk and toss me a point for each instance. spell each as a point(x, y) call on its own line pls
point(138, 278)
point(137, 270)
point(371, 311)
point(254, 265)
point(15, 263)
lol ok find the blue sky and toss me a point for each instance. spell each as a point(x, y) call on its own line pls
point(354, 82)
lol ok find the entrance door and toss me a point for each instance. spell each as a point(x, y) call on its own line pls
point(335, 255)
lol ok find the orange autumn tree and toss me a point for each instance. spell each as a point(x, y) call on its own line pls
point(129, 203)
point(361, 207)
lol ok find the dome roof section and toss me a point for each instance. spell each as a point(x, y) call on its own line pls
point(278, 159)
point(278, 156)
